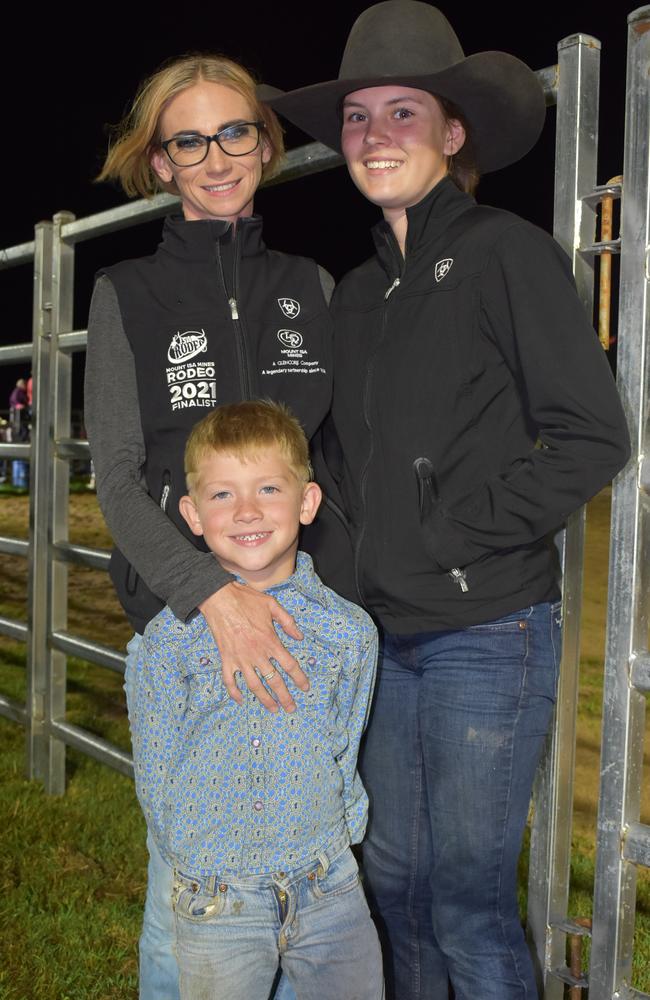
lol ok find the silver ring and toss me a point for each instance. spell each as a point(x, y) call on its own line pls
point(271, 673)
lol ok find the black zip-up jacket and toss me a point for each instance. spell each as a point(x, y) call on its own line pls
point(474, 410)
point(212, 317)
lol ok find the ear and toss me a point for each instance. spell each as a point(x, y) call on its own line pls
point(190, 514)
point(161, 166)
point(267, 151)
point(455, 137)
point(311, 500)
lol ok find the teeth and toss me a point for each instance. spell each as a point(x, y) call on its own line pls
point(383, 164)
point(220, 187)
point(252, 538)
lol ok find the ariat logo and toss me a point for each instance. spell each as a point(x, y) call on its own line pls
point(442, 268)
point(289, 307)
point(187, 345)
point(290, 338)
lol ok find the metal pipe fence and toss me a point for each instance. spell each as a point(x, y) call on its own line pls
point(572, 85)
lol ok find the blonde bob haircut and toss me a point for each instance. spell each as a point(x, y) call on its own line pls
point(244, 430)
point(138, 135)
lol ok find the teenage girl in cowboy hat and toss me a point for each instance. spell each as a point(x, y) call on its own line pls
point(473, 410)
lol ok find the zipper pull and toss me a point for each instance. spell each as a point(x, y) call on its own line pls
point(233, 308)
point(164, 497)
point(392, 287)
point(458, 575)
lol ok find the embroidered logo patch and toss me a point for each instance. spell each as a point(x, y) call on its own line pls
point(187, 345)
point(290, 338)
point(443, 268)
point(289, 307)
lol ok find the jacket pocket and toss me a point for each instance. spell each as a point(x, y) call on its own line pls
point(429, 503)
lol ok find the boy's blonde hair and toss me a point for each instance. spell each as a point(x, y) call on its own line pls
point(138, 134)
point(244, 429)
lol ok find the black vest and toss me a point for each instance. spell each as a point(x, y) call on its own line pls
point(215, 317)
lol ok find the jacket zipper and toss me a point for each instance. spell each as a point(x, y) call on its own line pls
point(240, 336)
point(366, 416)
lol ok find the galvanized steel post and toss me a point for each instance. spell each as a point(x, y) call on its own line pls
point(622, 841)
point(576, 147)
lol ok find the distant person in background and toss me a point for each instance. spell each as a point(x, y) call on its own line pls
point(473, 411)
point(212, 317)
point(19, 412)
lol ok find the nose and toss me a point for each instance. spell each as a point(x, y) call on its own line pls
point(376, 131)
point(247, 510)
point(217, 160)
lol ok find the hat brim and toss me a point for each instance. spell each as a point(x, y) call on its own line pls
point(499, 95)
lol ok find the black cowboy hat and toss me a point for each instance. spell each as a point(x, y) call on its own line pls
point(412, 44)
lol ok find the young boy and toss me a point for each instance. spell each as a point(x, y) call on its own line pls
point(256, 811)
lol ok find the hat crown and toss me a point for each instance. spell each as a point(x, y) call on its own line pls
point(400, 37)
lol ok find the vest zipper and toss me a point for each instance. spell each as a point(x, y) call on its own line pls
point(240, 335)
point(166, 490)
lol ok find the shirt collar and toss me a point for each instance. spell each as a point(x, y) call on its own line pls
point(195, 239)
point(303, 579)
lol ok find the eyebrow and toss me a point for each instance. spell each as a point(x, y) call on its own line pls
point(393, 100)
point(195, 131)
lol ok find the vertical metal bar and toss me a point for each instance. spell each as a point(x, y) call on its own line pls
point(37, 746)
point(59, 427)
point(576, 148)
point(627, 621)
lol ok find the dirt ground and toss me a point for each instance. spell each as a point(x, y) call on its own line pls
point(95, 613)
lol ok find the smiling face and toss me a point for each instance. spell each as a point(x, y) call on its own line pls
point(222, 186)
point(250, 512)
point(396, 141)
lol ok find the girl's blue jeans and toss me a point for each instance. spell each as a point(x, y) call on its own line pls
point(458, 722)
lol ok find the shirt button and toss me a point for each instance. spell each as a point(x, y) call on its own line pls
point(311, 660)
point(256, 742)
point(258, 806)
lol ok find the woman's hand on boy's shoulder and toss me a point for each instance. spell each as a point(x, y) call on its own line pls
point(241, 621)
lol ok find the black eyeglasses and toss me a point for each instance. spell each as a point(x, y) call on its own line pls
point(192, 148)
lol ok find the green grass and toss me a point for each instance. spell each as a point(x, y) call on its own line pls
point(72, 869)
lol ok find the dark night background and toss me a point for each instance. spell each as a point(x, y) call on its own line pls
point(67, 79)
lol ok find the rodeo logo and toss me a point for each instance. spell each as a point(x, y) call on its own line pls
point(187, 345)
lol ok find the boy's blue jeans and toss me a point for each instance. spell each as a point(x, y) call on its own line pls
point(457, 725)
point(233, 932)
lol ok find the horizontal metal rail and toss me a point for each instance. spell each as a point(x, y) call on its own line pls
point(81, 555)
point(640, 672)
point(93, 746)
point(76, 340)
point(10, 709)
point(85, 649)
point(14, 629)
point(14, 451)
point(72, 448)
point(14, 546)
point(15, 352)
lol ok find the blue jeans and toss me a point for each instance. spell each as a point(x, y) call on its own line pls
point(457, 726)
point(233, 932)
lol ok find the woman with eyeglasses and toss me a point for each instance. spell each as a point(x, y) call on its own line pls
point(211, 317)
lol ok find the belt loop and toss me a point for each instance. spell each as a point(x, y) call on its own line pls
point(324, 862)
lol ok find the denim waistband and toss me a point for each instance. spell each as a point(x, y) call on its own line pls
point(208, 884)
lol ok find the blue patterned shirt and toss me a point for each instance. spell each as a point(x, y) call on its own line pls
point(230, 788)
